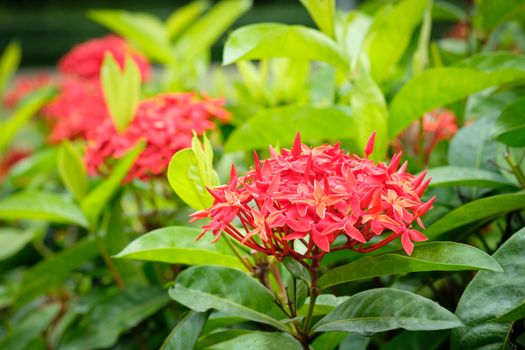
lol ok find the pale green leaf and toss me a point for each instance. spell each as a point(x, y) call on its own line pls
point(72, 170)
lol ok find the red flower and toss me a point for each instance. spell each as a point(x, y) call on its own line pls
point(85, 60)
point(78, 108)
point(24, 86)
point(165, 121)
point(310, 196)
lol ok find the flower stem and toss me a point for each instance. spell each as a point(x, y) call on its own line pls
point(314, 293)
point(238, 255)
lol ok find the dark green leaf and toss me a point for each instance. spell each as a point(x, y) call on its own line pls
point(466, 176)
point(297, 270)
point(475, 211)
point(259, 341)
point(390, 34)
point(179, 245)
point(96, 200)
point(48, 273)
point(201, 288)
point(114, 314)
point(219, 336)
point(383, 309)
point(417, 341)
point(491, 295)
point(145, 31)
point(31, 205)
point(510, 125)
point(30, 327)
point(280, 125)
point(186, 332)
point(25, 111)
point(269, 40)
point(432, 256)
point(329, 341)
point(9, 63)
point(72, 170)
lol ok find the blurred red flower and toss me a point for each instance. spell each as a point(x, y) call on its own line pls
point(310, 196)
point(165, 121)
point(10, 159)
point(24, 86)
point(85, 60)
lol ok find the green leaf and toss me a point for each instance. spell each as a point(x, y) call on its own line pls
point(48, 273)
point(491, 13)
point(370, 113)
point(200, 36)
point(390, 34)
point(513, 315)
point(203, 151)
point(260, 341)
point(510, 125)
point(269, 40)
point(30, 106)
point(112, 315)
point(186, 332)
point(96, 200)
point(297, 270)
point(121, 90)
point(145, 31)
point(72, 170)
point(40, 163)
point(29, 205)
point(323, 14)
point(446, 11)
point(466, 176)
point(184, 177)
point(179, 245)
point(30, 327)
point(201, 288)
point(182, 18)
point(384, 309)
point(330, 341)
point(280, 125)
point(219, 336)
point(476, 211)
point(417, 340)
point(9, 62)
point(491, 295)
point(420, 58)
point(432, 256)
point(12, 241)
point(441, 86)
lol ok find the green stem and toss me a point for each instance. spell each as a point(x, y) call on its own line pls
point(109, 263)
point(314, 293)
point(515, 168)
point(238, 255)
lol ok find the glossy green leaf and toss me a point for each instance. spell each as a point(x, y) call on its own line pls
point(47, 274)
point(185, 179)
point(204, 33)
point(95, 201)
point(24, 112)
point(390, 34)
point(145, 31)
point(259, 341)
point(476, 211)
point(491, 295)
point(440, 86)
point(183, 17)
point(323, 14)
point(9, 62)
point(269, 40)
point(466, 176)
point(432, 256)
point(30, 327)
point(12, 241)
point(202, 288)
point(383, 309)
point(280, 125)
point(179, 245)
point(114, 314)
point(30, 205)
point(510, 125)
point(186, 332)
point(370, 113)
point(121, 90)
point(72, 170)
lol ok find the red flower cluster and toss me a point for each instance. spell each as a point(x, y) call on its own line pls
point(438, 125)
point(165, 121)
point(79, 107)
point(85, 60)
point(314, 195)
point(25, 86)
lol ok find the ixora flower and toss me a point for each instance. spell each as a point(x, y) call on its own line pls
point(310, 196)
point(24, 86)
point(78, 108)
point(437, 125)
point(166, 122)
point(85, 60)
